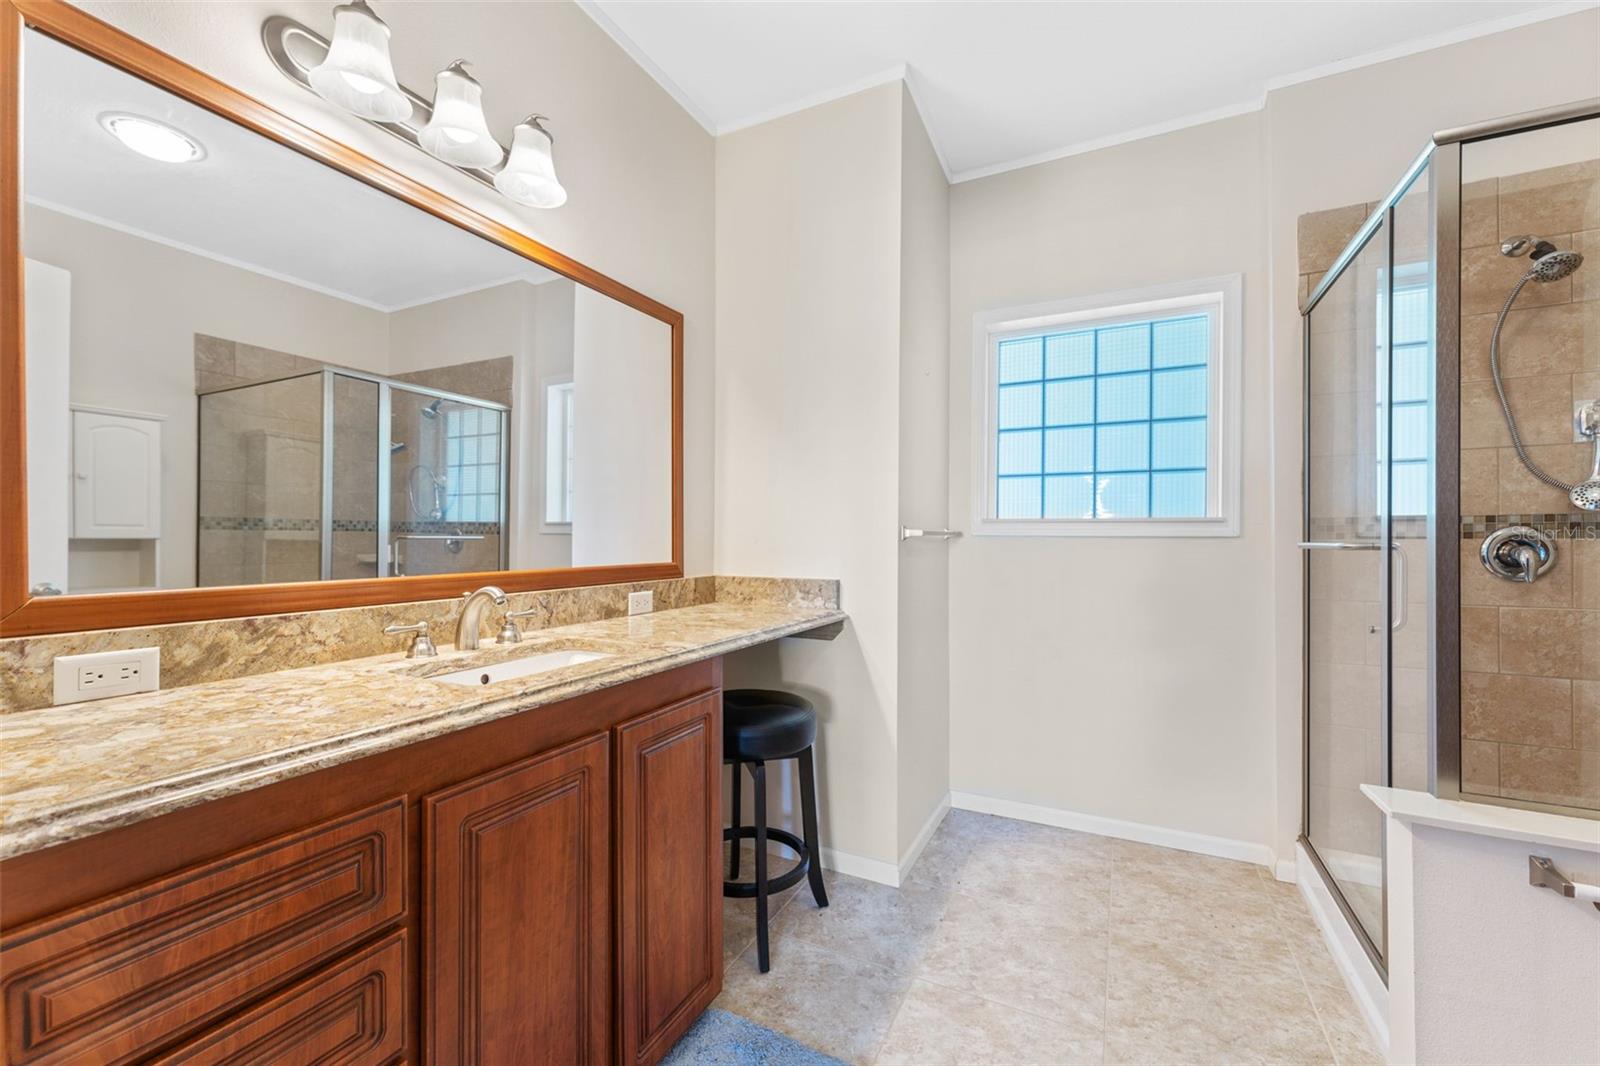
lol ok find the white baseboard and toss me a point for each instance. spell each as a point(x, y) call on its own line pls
point(1285, 871)
point(1366, 986)
point(885, 873)
point(1353, 866)
point(1182, 840)
point(925, 834)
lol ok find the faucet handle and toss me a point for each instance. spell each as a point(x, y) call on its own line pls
point(421, 645)
point(510, 632)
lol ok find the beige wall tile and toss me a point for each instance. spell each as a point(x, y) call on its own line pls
point(1585, 283)
point(1551, 200)
point(1519, 710)
point(1589, 645)
point(1324, 234)
point(1586, 715)
point(1480, 767)
point(1550, 775)
point(1480, 639)
point(1480, 212)
point(1480, 481)
point(1522, 493)
point(1583, 559)
point(1540, 641)
point(1543, 406)
point(1561, 338)
point(1487, 278)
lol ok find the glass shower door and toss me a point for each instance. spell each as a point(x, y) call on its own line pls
point(1348, 606)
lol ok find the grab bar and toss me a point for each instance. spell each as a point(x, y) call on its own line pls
point(1397, 620)
point(1542, 873)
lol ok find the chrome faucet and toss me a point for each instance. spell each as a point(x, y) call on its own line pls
point(470, 621)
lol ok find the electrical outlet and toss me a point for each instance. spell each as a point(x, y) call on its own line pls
point(106, 673)
point(641, 602)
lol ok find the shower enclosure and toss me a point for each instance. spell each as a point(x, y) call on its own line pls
point(337, 473)
point(1452, 593)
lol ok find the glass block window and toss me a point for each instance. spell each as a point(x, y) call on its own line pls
point(472, 464)
point(1104, 421)
point(1412, 384)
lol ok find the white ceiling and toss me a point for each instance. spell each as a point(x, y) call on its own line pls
point(250, 202)
point(1003, 84)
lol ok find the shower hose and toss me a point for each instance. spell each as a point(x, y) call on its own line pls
point(1505, 404)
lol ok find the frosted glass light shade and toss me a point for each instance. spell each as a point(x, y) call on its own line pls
point(458, 133)
point(529, 176)
point(356, 74)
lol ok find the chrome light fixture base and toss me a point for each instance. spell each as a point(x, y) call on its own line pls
point(296, 48)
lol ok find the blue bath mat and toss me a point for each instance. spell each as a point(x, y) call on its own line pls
point(723, 1039)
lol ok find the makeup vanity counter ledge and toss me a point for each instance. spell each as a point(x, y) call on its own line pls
point(73, 771)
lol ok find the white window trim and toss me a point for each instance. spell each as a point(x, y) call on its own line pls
point(1224, 422)
point(545, 525)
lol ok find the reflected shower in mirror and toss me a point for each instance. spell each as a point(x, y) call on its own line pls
point(247, 367)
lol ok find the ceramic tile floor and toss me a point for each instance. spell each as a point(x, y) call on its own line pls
point(1015, 943)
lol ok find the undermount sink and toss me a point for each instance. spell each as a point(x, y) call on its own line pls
point(515, 668)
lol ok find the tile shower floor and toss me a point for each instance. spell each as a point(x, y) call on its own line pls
point(1017, 943)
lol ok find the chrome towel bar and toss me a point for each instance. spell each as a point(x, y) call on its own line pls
point(1542, 873)
point(907, 533)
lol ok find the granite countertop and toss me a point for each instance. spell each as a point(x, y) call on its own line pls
point(73, 771)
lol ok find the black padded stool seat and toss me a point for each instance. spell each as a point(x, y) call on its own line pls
point(759, 725)
point(762, 724)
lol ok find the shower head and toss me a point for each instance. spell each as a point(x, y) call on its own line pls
point(1549, 262)
point(432, 409)
point(1554, 266)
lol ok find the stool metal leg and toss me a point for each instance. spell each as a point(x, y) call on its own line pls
point(808, 813)
point(758, 777)
point(733, 861)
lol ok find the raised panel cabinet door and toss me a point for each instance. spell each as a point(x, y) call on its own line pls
point(116, 476)
point(517, 913)
point(669, 876)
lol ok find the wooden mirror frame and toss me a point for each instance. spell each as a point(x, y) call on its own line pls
point(21, 614)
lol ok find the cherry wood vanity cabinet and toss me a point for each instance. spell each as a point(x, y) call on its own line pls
point(544, 888)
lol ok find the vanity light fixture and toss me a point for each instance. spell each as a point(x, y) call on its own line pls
point(357, 74)
point(457, 132)
point(354, 72)
point(529, 176)
point(152, 139)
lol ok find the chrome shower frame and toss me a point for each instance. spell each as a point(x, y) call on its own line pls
point(1440, 160)
point(385, 440)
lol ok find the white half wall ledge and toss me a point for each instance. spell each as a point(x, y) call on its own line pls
point(1139, 832)
point(1487, 819)
point(1365, 983)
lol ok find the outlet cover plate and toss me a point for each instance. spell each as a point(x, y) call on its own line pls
point(641, 602)
point(97, 675)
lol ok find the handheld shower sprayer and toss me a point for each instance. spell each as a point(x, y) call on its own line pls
point(1549, 264)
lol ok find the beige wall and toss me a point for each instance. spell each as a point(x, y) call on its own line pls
point(1347, 139)
point(808, 386)
point(924, 610)
point(1122, 678)
point(639, 169)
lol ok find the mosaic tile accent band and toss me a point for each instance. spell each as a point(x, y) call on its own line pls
point(1366, 528)
point(1581, 525)
point(344, 525)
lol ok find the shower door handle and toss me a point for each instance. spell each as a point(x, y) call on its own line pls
point(1397, 619)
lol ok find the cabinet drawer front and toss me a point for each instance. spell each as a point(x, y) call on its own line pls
point(116, 979)
point(350, 1014)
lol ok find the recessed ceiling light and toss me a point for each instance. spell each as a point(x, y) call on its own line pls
point(152, 139)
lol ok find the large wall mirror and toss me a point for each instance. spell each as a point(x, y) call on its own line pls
point(255, 380)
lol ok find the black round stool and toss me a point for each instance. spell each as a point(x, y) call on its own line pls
point(759, 725)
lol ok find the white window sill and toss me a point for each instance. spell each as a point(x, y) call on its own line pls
point(1131, 527)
